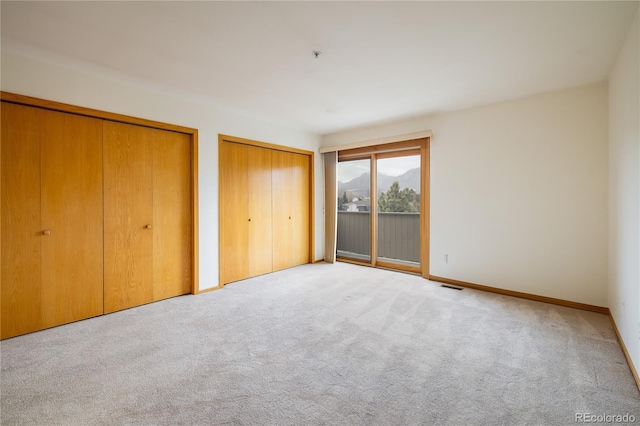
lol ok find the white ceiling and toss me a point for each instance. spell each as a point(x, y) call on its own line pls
point(380, 61)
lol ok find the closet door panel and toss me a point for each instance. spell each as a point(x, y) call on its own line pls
point(20, 216)
point(264, 210)
point(72, 252)
point(171, 214)
point(282, 178)
point(260, 231)
point(300, 209)
point(234, 212)
point(128, 215)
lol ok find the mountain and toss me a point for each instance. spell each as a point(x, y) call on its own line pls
point(410, 179)
point(359, 186)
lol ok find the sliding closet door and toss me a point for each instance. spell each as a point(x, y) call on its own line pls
point(172, 217)
point(96, 215)
point(51, 218)
point(290, 209)
point(21, 224)
point(128, 216)
point(72, 250)
point(259, 211)
point(264, 209)
point(246, 236)
point(283, 187)
point(300, 209)
point(234, 212)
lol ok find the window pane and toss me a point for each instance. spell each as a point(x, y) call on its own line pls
point(399, 210)
point(354, 209)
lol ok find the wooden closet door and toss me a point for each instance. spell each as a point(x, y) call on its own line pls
point(290, 209)
point(72, 252)
point(283, 187)
point(300, 209)
point(260, 252)
point(20, 220)
point(172, 223)
point(128, 216)
point(234, 212)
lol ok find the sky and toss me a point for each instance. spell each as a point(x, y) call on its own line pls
point(396, 166)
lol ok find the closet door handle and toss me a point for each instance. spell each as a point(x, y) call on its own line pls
point(147, 227)
point(46, 232)
point(249, 219)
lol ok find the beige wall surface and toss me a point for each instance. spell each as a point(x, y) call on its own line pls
point(518, 192)
point(624, 193)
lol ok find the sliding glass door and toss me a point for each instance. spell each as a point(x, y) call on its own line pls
point(354, 210)
point(382, 206)
point(398, 210)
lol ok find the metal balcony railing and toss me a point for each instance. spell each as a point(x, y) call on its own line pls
point(398, 236)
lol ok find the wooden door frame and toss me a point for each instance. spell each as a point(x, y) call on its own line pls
point(110, 116)
point(234, 139)
point(388, 150)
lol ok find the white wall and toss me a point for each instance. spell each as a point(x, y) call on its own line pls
point(624, 193)
point(518, 192)
point(48, 76)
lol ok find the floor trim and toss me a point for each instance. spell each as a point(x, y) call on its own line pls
point(207, 290)
point(632, 367)
point(561, 302)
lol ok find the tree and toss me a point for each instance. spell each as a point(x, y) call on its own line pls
point(396, 200)
point(342, 201)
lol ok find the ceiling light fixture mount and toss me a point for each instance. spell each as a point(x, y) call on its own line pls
point(316, 53)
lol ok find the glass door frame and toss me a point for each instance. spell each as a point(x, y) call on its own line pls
point(390, 150)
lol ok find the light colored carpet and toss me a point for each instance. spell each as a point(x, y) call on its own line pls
point(322, 345)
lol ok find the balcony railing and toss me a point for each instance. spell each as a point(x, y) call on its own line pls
point(398, 236)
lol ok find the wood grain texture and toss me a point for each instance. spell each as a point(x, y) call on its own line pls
point(52, 251)
point(312, 209)
point(259, 205)
point(258, 221)
point(128, 208)
point(300, 208)
point(120, 118)
point(195, 218)
point(282, 206)
point(234, 212)
point(72, 256)
point(172, 225)
point(21, 222)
